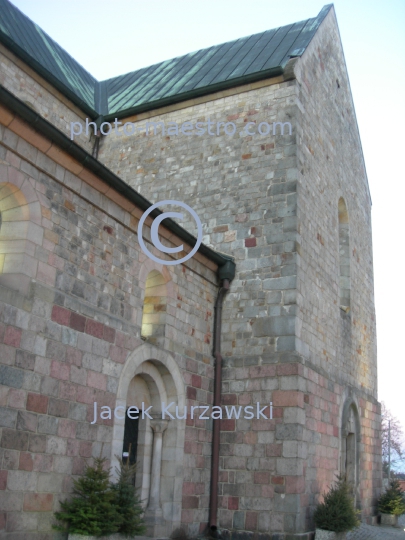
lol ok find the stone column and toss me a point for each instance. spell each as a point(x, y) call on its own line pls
point(154, 511)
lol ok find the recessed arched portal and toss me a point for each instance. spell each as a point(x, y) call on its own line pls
point(350, 447)
point(152, 377)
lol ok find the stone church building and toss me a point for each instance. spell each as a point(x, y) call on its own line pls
point(276, 306)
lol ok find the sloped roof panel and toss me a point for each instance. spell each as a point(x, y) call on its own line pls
point(43, 54)
point(201, 72)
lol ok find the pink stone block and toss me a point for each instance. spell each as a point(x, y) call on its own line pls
point(262, 371)
point(67, 428)
point(26, 461)
point(85, 449)
point(60, 370)
point(43, 463)
point(57, 262)
point(109, 334)
point(12, 336)
point(85, 395)
point(188, 488)
point(94, 328)
point(61, 315)
point(97, 380)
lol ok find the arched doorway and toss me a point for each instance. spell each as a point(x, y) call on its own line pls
point(350, 448)
point(151, 376)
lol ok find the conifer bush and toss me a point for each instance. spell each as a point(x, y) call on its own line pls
point(337, 513)
point(392, 501)
point(93, 509)
point(100, 508)
point(129, 506)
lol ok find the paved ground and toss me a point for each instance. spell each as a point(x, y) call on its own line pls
point(369, 532)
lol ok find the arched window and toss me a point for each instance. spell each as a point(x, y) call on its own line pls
point(154, 309)
point(344, 256)
point(21, 232)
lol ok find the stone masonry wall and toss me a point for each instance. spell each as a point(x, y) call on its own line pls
point(24, 83)
point(271, 202)
point(65, 344)
point(340, 345)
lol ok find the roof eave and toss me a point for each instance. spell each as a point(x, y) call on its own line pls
point(225, 263)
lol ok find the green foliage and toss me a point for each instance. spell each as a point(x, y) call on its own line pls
point(337, 512)
point(100, 508)
point(129, 506)
point(93, 510)
point(392, 501)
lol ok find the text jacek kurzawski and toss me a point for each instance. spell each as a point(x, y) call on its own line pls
point(202, 412)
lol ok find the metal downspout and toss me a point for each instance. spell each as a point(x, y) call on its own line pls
point(217, 402)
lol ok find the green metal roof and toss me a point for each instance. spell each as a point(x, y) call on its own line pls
point(195, 74)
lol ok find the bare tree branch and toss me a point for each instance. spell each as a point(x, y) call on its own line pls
point(397, 437)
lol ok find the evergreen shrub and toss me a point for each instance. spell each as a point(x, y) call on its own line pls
point(392, 501)
point(100, 508)
point(129, 505)
point(93, 510)
point(337, 513)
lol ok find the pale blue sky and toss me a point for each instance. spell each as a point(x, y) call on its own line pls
point(116, 36)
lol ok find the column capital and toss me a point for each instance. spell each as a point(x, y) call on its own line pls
point(158, 425)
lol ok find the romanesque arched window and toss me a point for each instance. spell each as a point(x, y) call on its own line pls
point(20, 234)
point(154, 308)
point(344, 256)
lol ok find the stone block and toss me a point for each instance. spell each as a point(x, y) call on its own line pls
point(27, 421)
point(47, 424)
point(37, 443)
point(77, 322)
point(50, 386)
point(56, 445)
point(8, 417)
point(42, 463)
point(17, 521)
point(21, 481)
point(58, 407)
point(16, 398)
point(11, 377)
point(3, 480)
point(12, 336)
point(289, 432)
point(15, 440)
point(50, 482)
point(11, 502)
point(274, 326)
point(25, 360)
point(7, 356)
point(289, 466)
point(37, 403)
point(38, 502)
